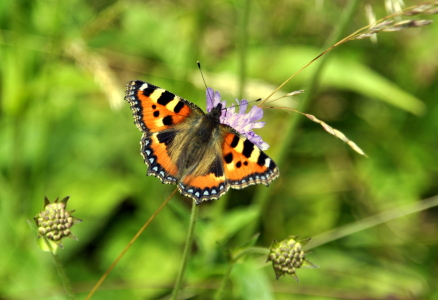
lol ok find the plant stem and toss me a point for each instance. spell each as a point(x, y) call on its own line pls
point(186, 253)
point(372, 221)
point(313, 85)
point(63, 276)
point(338, 233)
point(59, 267)
point(243, 42)
point(220, 293)
point(97, 285)
point(262, 194)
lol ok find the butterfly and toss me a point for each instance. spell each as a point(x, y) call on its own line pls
point(183, 145)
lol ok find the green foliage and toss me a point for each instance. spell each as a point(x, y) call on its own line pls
point(65, 130)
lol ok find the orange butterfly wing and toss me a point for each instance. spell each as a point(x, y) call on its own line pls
point(245, 164)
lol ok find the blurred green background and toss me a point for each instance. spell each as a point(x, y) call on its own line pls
point(65, 130)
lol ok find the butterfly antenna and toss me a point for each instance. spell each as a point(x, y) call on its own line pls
point(202, 74)
point(211, 96)
point(249, 102)
point(203, 79)
point(237, 105)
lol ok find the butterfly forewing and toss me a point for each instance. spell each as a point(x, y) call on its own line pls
point(155, 109)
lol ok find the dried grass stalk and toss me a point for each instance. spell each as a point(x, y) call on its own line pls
point(385, 24)
point(326, 127)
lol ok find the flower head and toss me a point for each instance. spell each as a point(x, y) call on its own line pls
point(54, 222)
point(240, 121)
point(288, 255)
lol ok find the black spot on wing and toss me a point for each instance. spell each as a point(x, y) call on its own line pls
point(238, 164)
point(228, 158)
point(167, 120)
point(165, 98)
point(156, 113)
point(248, 147)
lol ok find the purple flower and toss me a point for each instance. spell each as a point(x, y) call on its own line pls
point(240, 121)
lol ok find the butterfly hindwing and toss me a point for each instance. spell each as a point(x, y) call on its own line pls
point(157, 158)
point(210, 185)
point(244, 163)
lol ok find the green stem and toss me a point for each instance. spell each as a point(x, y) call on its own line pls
point(50, 247)
point(262, 194)
point(372, 221)
point(251, 251)
point(139, 232)
point(242, 41)
point(59, 268)
point(313, 85)
point(243, 38)
point(220, 294)
point(186, 253)
point(63, 277)
point(338, 233)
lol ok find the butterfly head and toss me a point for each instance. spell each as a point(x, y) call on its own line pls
point(216, 112)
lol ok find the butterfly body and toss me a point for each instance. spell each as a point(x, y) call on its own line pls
point(182, 145)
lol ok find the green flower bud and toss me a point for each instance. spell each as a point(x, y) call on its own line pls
point(287, 256)
point(54, 222)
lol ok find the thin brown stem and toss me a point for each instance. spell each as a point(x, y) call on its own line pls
point(105, 275)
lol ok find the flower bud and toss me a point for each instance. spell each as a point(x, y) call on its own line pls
point(287, 256)
point(54, 222)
